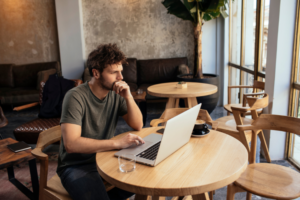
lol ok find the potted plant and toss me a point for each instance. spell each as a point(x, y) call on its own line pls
point(199, 11)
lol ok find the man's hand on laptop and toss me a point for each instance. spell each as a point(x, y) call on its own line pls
point(129, 140)
point(122, 88)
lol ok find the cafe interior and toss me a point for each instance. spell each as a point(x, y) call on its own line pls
point(241, 63)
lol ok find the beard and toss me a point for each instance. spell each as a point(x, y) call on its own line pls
point(105, 84)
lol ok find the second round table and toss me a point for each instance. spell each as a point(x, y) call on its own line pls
point(190, 93)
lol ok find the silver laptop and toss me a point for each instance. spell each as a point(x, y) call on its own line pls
point(156, 148)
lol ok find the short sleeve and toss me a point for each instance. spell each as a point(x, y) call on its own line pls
point(123, 107)
point(72, 109)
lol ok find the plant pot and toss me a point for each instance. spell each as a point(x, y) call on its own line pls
point(209, 102)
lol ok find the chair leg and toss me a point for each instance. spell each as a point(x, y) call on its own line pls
point(211, 195)
point(231, 190)
point(228, 113)
point(244, 141)
point(249, 195)
point(201, 196)
point(264, 146)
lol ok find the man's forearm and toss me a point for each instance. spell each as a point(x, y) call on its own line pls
point(88, 145)
point(134, 115)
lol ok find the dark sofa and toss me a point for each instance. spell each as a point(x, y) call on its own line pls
point(18, 83)
point(140, 74)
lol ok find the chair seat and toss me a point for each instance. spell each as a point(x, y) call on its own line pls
point(227, 124)
point(270, 181)
point(55, 189)
point(29, 132)
point(228, 108)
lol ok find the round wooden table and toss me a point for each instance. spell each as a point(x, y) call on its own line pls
point(202, 165)
point(190, 93)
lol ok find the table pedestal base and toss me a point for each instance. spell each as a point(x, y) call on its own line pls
point(174, 102)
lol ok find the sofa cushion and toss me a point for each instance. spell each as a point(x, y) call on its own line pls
point(6, 75)
point(129, 71)
point(26, 75)
point(159, 70)
point(44, 76)
point(18, 95)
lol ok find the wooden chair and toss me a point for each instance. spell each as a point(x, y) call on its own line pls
point(52, 189)
point(203, 117)
point(257, 85)
point(228, 124)
point(264, 179)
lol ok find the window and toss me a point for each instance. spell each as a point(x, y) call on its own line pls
point(293, 145)
point(248, 36)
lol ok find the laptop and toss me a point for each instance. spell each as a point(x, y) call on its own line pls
point(156, 148)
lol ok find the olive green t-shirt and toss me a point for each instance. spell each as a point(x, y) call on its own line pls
point(97, 118)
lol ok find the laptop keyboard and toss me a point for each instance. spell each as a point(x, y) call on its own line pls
point(150, 153)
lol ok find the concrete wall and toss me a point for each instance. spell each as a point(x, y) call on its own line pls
point(28, 32)
point(144, 30)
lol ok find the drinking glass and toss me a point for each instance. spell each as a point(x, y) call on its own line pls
point(127, 162)
point(139, 91)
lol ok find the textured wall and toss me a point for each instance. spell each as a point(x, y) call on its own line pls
point(28, 32)
point(141, 28)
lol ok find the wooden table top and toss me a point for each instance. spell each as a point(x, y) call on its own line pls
point(9, 158)
point(193, 90)
point(202, 165)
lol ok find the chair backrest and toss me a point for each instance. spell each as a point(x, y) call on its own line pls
point(48, 137)
point(258, 85)
point(255, 104)
point(277, 122)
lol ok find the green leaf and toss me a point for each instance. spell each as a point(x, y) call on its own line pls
point(211, 15)
point(189, 6)
point(177, 8)
point(193, 10)
point(209, 5)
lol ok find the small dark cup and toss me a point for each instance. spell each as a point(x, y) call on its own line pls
point(200, 129)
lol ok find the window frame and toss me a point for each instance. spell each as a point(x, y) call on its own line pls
point(258, 45)
point(295, 87)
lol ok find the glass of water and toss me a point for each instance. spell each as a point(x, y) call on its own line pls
point(127, 162)
point(139, 91)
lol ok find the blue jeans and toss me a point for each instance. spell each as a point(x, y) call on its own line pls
point(84, 182)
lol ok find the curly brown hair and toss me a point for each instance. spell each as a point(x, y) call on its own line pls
point(103, 56)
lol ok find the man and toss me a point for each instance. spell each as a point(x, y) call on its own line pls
point(89, 118)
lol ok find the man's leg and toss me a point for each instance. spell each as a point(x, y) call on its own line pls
point(83, 182)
